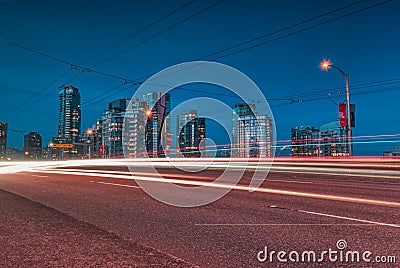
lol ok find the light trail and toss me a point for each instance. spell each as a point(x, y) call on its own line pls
point(229, 186)
point(368, 168)
point(210, 179)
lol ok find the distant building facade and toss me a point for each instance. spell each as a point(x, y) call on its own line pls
point(113, 128)
point(14, 153)
point(98, 147)
point(305, 141)
point(333, 140)
point(33, 146)
point(3, 140)
point(134, 129)
point(190, 131)
point(112, 123)
point(158, 123)
point(394, 152)
point(329, 140)
point(252, 133)
point(69, 118)
point(49, 153)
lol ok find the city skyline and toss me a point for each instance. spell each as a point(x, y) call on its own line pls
point(285, 67)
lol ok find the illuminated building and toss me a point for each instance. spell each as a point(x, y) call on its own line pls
point(134, 128)
point(305, 141)
point(190, 131)
point(252, 133)
point(112, 128)
point(14, 153)
point(33, 146)
point(158, 125)
point(333, 140)
point(98, 147)
point(329, 140)
point(3, 140)
point(69, 118)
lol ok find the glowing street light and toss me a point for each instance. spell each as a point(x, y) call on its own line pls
point(149, 112)
point(325, 65)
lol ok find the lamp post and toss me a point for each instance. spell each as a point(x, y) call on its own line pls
point(89, 133)
point(325, 65)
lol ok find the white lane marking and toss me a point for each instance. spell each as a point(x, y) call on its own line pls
point(236, 187)
point(348, 218)
point(39, 176)
point(116, 184)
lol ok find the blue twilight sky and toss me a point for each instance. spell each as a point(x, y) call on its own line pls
point(365, 44)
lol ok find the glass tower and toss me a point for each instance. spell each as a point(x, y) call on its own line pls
point(69, 117)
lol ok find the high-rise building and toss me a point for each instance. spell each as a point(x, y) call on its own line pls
point(33, 146)
point(252, 133)
point(113, 128)
point(190, 131)
point(98, 148)
point(69, 118)
point(3, 140)
point(112, 123)
point(134, 129)
point(305, 141)
point(333, 140)
point(158, 125)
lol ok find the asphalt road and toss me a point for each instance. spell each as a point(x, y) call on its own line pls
point(51, 219)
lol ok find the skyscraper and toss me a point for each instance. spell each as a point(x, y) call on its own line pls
point(33, 146)
point(252, 133)
point(134, 129)
point(3, 140)
point(69, 118)
point(158, 125)
point(113, 128)
point(112, 123)
point(190, 131)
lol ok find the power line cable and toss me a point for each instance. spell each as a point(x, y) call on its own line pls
point(84, 70)
point(281, 30)
point(128, 38)
point(303, 30)
point(25, 105)
point(160, 33)
point(140, 31)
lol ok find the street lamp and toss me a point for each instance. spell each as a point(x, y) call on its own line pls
point(325, 65)
point(89, 132)
point(149, 112)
